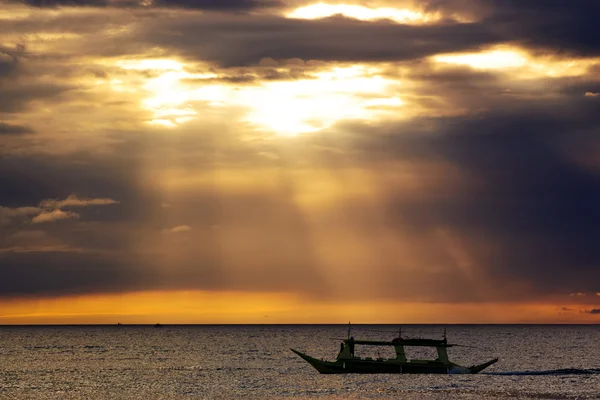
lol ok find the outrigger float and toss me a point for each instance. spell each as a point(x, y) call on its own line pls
point(347, 363)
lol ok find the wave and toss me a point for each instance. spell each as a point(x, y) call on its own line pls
point(563, 371)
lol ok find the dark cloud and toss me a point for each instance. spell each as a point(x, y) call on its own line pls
point(51, 273)
point(83, 174)
point(554, 26)
point(525, 194)
point(89, 251)
point(593, 311)
point(9, 59)
point(564, 27)
point(544, 25)
point(18, 96)
point(8, 129)
point(71, 3)
point(232, 40)
point(567, 28)
point(20, 85)
point(219, 5)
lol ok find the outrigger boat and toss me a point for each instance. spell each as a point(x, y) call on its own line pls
point(347, 363)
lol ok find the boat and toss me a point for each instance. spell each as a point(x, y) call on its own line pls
point(347, 362)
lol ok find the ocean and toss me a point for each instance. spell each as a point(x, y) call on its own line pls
point(254, 362)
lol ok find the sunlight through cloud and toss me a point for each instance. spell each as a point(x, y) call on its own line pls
point(496, 59)
point(168, 100)
point(323, 10)
point(286, 107)
point(312, 104)
point(523, 64)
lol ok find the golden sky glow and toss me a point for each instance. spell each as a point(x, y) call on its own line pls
point(185, 307)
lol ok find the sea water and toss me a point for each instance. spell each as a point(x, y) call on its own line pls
point(254, 362)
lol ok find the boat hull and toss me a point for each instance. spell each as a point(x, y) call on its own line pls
point(363, 366)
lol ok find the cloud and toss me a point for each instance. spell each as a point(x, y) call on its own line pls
point(256, 37)
point(7, 129)
point(593, 311)
point(178, 229)
point(27, 241)
point(54, 179)
point(54, 215)
point(221, 5)
point(74, 201)
point(54, 3)
point(17, 97)
point(592, 94)
point(57, 273)
point(567, 27)
point(50, 210)
point(9, 59)
point(7, 213)
point(24, 78)
point(244, 39)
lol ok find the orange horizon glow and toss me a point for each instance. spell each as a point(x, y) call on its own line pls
point(231, 307)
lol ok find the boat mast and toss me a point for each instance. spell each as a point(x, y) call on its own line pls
point(348, 330)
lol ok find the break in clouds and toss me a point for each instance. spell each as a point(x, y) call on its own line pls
point(325, 156)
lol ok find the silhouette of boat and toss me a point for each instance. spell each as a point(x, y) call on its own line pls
point(347, 363)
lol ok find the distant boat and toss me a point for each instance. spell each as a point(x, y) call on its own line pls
point(347, 363)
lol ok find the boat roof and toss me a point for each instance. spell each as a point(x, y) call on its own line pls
point(403, 342)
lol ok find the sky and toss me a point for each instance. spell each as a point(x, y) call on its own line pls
point(289, 161)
